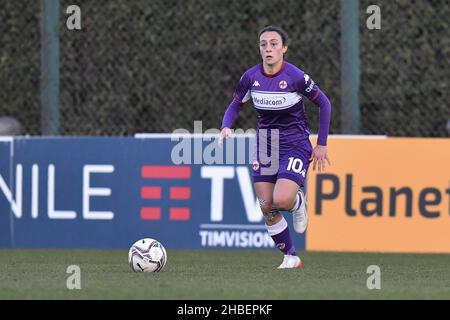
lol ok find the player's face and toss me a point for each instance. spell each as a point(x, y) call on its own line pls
point(271, 47)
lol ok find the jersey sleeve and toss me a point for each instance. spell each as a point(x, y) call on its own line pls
point(242, 91)
point(307, 87)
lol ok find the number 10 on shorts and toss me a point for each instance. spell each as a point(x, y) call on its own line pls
point(296, 165)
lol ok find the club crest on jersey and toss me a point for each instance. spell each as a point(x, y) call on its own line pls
point(282, 84)
point(255, 165)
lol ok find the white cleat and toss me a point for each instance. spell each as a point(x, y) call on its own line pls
point(290, 262)
point(300, 216)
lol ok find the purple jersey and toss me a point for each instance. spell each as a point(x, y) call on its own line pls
point(278, 99)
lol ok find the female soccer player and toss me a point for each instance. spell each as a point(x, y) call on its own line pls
point(277, 89)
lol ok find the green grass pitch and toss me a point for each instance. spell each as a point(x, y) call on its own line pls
point(211, 275)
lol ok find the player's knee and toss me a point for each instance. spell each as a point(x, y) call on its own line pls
point(271, 215)
point(283, 202)
point(265, 205)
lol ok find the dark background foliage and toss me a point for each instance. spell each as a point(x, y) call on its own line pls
point(154, 66)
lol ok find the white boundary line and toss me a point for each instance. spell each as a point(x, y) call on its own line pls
point(353, 136)
point(206, 136)
point(233, 226)
point(186, 135)
point(242, 135)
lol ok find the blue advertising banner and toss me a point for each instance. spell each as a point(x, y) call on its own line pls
point(110, 192)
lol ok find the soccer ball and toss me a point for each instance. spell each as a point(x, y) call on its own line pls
point(147, 255)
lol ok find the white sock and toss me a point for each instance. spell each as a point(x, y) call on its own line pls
point(277, 227)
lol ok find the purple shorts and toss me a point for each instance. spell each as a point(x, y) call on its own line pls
point(292, 163)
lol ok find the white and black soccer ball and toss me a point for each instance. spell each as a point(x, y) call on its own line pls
point(147, 255)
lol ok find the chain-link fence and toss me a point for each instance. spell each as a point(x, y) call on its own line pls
point(19, 63)
point(405, 70)
point(154, 66)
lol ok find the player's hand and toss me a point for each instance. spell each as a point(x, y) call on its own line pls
point(318, 157)
point(225, 133)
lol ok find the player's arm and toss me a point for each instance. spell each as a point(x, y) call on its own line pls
point(309, 89)
point(241, 95)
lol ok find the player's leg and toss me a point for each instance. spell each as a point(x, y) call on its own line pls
point(264, 184)
point(264, 193)
point(287, 192)
point(276, 225)
point(283, 197)
point(289, 197)
point(264, 181)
